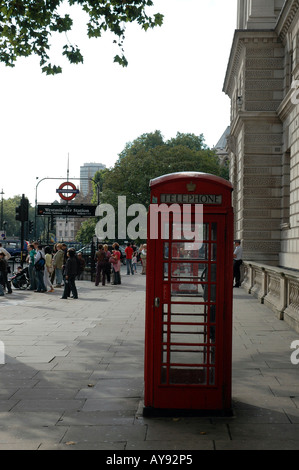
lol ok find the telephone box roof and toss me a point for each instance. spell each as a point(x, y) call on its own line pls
point(207, 177)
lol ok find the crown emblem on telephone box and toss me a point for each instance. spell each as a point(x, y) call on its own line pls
point(191, 187)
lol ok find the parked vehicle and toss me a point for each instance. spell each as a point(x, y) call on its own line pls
point(87, 250)
point(14, 248)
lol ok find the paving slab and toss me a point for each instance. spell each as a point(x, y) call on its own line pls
point(73, 377)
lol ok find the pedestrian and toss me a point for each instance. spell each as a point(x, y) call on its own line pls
point(101, 268)
point(35, 246)
point(143, 255)
point(52, 277)
point(48, 269)
point(107, 263)
point(31, 270)
point(70, 273)
point(129, 253)
point(116, 264)
point(3, 273)
point(7, 255)
point(134, 262)
point(238, 255)
point(81, 264)
point(39, 265)
point(58, 263)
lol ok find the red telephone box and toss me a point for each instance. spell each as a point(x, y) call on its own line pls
point(188, 339)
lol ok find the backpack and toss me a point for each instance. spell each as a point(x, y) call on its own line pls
point(40, 264)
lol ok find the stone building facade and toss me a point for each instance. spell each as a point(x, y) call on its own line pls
point(263, 144)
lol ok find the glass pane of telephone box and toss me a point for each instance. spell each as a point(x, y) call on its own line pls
point(214, 231)
point(190, 271)
point(189, 313)
point(188, 375)
point(191, 232)
point(189, 251)
point(188, 334)
point(188, 354)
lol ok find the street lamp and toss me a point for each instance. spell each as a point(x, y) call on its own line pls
point(1, 221)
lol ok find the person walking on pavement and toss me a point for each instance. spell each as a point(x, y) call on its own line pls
point(7, 255)
point(48, 269)
point(143, 258)
point(116, 264)
point(238, 255)
point(70, 273)
point(100, 258)
point(81, 262)
point(134, 262)
point(107, 263)
point(39, 264)
point(58, 262)
point(129, 253)
point(3, 273)
point(31, 270)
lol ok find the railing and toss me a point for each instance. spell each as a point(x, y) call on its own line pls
point(278, 288)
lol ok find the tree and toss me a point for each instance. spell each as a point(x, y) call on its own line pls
point(86, 231)
point(149, 157)
point(12, 226)
point(26, 27)
point(97, 185)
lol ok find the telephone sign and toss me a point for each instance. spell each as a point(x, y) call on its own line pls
point(188, 338)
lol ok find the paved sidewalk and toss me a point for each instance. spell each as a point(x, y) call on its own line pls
point(73, 376)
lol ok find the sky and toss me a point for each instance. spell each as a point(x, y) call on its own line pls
point(173, 83)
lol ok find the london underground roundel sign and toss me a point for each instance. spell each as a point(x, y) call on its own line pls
point(67, 191)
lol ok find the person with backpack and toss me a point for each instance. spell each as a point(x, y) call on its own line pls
point(39, 265)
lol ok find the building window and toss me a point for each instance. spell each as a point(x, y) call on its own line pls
point(285, 199)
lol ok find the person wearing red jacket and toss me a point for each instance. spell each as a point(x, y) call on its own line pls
point(129, 254)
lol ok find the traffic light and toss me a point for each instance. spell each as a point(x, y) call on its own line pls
point(18, 213)
point(24, 208)
point(30, 227)
point(22, 211)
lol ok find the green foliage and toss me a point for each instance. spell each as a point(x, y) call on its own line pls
point(149, 157)
point(97, 185)
point(26, 27)
point(86, 231)
point(13, 227)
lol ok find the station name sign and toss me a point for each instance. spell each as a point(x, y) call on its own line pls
point(60, 210)
point(191, 199)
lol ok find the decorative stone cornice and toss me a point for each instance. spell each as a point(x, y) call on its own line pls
point(233, 63)
point(286, 106)
point(256, 116)
point(241, 38)
point(287, 15)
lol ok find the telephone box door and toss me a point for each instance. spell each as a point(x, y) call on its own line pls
point(188, 312)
